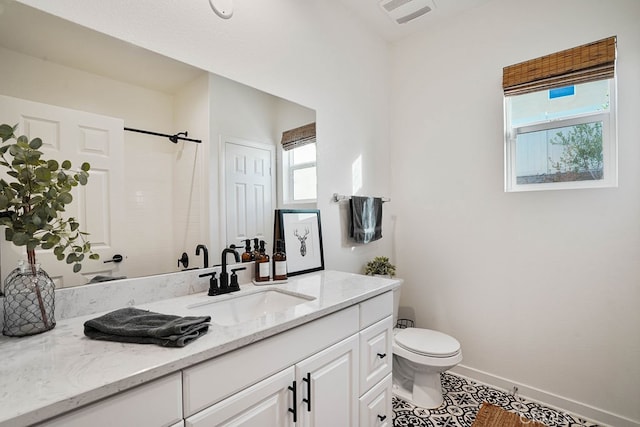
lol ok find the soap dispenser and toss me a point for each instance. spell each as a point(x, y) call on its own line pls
point(248, 255)
point(256, 249)
point(279, 262)
point(262, 265)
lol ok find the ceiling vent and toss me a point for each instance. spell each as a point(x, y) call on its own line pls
point(403, 11)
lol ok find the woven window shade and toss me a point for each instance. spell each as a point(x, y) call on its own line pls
point(589, 62)
point(299, 136)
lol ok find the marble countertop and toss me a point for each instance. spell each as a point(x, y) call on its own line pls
point(48, 374)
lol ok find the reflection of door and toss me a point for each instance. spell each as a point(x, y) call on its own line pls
point(248, 191)
point(76, 136)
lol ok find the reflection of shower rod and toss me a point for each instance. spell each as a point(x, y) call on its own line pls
point(173, 138)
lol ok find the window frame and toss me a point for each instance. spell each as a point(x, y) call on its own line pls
point(609, 146)
point(288, 172)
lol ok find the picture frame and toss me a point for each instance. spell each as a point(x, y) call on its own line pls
point(301, 231)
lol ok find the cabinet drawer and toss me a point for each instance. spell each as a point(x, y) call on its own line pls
point(155, 404)
point(375, 309)
point(375, 405)
point(375, 353)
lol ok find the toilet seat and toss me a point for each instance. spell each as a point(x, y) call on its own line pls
point(427, 342)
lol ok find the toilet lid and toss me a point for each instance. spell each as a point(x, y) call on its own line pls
point(427, 342)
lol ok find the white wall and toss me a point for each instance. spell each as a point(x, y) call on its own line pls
point(541, 288)
point(311, 52)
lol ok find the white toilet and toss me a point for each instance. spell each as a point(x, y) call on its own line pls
point(419, 356)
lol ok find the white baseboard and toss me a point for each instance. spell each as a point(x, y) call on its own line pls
point(546, 398)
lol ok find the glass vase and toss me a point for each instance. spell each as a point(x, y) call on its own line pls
point(29, 301)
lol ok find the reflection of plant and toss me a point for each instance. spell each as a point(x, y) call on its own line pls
point(582, 149)
point(380, 265)
point(30, 206)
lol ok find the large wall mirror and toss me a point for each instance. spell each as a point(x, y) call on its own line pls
point(148, 199)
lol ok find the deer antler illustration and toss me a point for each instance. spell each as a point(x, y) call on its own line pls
point(303, 240)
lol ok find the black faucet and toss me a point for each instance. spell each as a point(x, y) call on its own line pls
point(206, 254)
point(224, 276)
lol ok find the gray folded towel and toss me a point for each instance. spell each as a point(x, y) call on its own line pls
point(366, 219)
point(133, 325)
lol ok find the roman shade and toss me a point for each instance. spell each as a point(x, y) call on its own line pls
point(299, 136)
point(589, 62)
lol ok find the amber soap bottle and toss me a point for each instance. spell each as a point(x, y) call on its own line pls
point(256, 249)
point(248, 255)
point(279, 262)
point(262, 264)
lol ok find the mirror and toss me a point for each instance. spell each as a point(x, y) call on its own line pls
point(148, 199)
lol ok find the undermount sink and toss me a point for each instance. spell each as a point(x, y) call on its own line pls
point(243, 308)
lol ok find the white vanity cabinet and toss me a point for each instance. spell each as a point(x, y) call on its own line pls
point(325, 351)
point(321, 388)
point(332, 371)
point(376, 358)
point(154, 404)
point(339, 367)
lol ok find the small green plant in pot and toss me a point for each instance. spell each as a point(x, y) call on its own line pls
point(380, 265)
point(33, 196)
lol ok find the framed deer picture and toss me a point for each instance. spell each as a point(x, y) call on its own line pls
point(302, 234)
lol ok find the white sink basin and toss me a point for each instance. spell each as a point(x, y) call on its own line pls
point(242, 308)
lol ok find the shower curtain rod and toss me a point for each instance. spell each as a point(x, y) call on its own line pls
point(173, 138)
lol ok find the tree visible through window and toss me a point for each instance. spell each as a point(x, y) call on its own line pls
point(582, 155)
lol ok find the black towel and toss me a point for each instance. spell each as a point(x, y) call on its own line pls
point(366, 219)
point(133, 325)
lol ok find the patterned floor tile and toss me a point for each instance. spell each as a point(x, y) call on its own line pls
point(462, 400)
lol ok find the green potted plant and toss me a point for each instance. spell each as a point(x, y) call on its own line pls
point(33, 196)
point(381, 266)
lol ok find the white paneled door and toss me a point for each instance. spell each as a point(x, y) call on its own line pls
point(80, 137)
point(248, 191)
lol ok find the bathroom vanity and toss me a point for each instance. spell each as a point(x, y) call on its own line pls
point(319, 354)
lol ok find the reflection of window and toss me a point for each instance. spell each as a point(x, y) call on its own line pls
point(560, 120)
point(301, 173)
point(299, 164)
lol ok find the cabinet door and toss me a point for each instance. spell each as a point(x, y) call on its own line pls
point(328, 386)
point(375, 353)
point(375, 405)
point(265, 404)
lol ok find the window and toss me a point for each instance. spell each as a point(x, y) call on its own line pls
point(299, 164)
point(560, 128)
point(300, 170)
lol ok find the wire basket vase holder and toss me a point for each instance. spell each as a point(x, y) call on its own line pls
point(29, 301)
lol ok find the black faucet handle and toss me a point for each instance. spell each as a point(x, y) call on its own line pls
point(213, 283)
point(234, 276)
point(212, 274)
